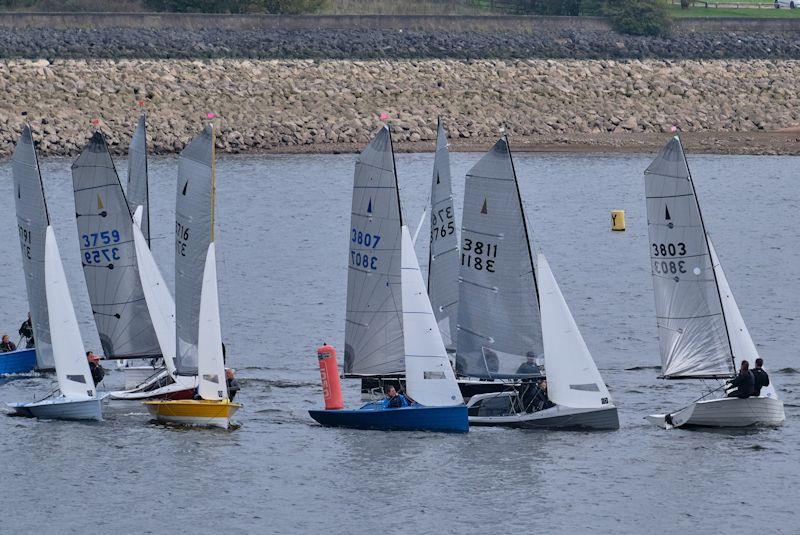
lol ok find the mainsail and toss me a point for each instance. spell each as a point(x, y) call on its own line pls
point(32, 222)
point(72, 368)
point(194, 224)
point(138, 188)
point(430, 379)
point(108, 256)
point(443, 257)
point(691, 321)
point(374, 328)
point(572, 376)
point(498, 309)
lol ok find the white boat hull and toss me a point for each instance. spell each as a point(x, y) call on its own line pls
point(182, 387)
point(558, 417)
point(61, 408)
point(135, 376)
point(724, 412)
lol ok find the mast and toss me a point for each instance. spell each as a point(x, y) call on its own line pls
point(524, 223)
point(146, 174)
point(705, 236)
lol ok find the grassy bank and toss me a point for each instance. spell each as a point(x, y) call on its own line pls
point(744, 13)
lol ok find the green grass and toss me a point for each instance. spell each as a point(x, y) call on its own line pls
point(744, 13)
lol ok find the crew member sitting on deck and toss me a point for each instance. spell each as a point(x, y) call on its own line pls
point(7, 345)
point(743, 382)
point(534, 398)
point(529, 367)
point(26, 331)
point(761, 377)
point(94, 366)
point(233, 384)
point(394, 400)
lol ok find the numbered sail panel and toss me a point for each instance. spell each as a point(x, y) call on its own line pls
point(498, 316)
point(374, 328)
point(138, 194)
point(32, 222)
point(108, 256)
point(193, 221)
point(691, 326)
point(443, 264)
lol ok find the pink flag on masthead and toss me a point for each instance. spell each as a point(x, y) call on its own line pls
point(211, 115)
point(384, 116)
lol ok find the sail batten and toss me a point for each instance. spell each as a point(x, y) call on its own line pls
point(499, 321)
point(32, 222)
point(193, 223)
point(693, 333)
point(374, 324)
point(108, 256)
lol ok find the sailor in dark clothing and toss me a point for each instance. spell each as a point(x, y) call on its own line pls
point(26, 331)
point(394, 400)
point(743, 383)
point(94, 366)
point(233, 384)
point(534, 398)
point(761, 377)
point(7, 345)
point(529, 367)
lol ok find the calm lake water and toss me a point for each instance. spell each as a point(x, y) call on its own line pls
point(282, 242)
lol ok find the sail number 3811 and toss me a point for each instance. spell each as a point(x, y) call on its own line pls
point(478, 255)
point(364, 239)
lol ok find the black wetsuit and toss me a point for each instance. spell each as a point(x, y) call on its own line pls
point(761, 380)
point(744, 385)
point(233, 387)
point(26, 331)
point(97, 372)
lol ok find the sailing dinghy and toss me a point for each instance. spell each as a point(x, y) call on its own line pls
point(198, 333)
point(78, 398)
point(391, 327)
point(701, 331)
point(509, 318)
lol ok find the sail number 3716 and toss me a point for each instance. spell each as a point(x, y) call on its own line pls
point(365, 239)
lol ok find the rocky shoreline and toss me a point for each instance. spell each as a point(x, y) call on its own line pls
point(742, 106)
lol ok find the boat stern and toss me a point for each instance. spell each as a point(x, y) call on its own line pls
point(199, 412)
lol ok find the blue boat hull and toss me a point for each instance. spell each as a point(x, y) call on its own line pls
point(19, 361)
point(414, 418)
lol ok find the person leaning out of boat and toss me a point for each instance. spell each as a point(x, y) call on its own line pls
point(7, 345)
point(26, 331)
point(761, 377)
point(394, 400)
point(94, 366)
point(743, 382)
point(233, 384)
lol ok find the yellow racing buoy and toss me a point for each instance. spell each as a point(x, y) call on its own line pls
point(618, 220)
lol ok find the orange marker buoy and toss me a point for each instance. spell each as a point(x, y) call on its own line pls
point(329, 373)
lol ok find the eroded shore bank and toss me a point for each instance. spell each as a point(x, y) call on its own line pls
point(730, 106)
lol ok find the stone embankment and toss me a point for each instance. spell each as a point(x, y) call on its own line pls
point(330, 105)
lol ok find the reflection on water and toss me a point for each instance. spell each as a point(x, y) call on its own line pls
point(283, 224)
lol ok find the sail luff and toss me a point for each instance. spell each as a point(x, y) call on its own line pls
point(524, 223)
point(212, 384)
point(33, 218)
point(108, 254)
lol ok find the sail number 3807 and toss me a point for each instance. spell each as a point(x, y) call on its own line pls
point(364, 259)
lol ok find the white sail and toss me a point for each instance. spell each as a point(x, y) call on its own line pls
point(430, 379)
point(74, 378)
point(138, 189)
point(210, 364)
point(160, 304)
point(572, 376)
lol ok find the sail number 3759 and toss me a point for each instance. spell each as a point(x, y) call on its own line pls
point(97, 242)
point(365, 239)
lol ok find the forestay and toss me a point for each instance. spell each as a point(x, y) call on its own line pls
point(430, 379)
point(211, 366)
point(32, 222)
point(138, 188)
point(691, 325)
point(108, 256)
point(374, 329)
point(572, 376)
point(74, 378)
point(193, 234)
point(443, 255)
point(498, 310)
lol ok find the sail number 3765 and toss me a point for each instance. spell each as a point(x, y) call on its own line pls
point(443, 225)
point(365, 239)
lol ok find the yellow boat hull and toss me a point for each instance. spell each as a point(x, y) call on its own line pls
point(193, 411)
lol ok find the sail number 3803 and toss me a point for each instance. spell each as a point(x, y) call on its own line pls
point(668, 267)
point(365, 239)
